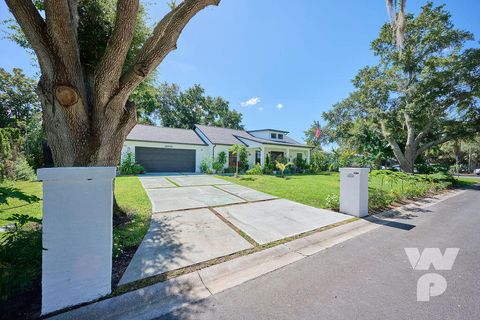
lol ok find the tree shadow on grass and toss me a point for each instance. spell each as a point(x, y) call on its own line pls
point(15, 193)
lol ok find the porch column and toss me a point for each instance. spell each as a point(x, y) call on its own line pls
point(308, 156)
point(262, 156)
point(287, 154)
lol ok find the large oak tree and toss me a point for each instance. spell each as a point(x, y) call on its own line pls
point(84, 90)
point(421, 97)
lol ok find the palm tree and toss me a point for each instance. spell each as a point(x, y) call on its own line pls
point(396, 12)
point(237, 149)
point(282, 166)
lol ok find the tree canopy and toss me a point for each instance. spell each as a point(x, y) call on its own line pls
point(18, 100)
point(183, 109)
point(418, 98)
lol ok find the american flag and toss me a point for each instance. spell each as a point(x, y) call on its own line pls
point(317, 130)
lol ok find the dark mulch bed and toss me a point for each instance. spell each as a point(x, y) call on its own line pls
point(25, 305)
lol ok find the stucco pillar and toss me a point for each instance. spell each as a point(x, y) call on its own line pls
point(262, 157)
point(354, 191)
point(77, 235)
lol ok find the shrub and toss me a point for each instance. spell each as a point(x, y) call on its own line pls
point(318, 161)
point(378, 199)
point(21, 170)
point(332, 201)
point(256, 170)
point(217, 167)
point(129, 166)
point(20, 255)
point(229, 170)
point(204, 166)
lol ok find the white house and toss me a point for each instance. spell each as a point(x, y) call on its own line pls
point(179, 150)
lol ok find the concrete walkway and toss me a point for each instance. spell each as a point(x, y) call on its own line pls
point(187, 226)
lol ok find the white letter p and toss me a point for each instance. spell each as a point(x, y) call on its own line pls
point(430, 285)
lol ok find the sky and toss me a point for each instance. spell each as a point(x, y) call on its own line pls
point(281, 63)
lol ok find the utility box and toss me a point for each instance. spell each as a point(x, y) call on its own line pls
point(354, 191)
point(77, 235)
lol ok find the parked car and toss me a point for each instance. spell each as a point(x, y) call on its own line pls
point(477, 171)
point(396, 167)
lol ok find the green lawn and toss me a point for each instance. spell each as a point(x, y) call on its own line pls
point(14, 195)
point(311, 190)
point(385, 187)
point(129, 193)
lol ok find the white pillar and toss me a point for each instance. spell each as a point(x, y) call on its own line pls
point(77, 235)
point(354, 191)
point(262, 157)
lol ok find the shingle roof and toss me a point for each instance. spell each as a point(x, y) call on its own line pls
point(170, 135)
point(226, 136)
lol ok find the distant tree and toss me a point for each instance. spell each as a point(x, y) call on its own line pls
point(184, 109)
point(18, 100)
point(237, 150)
point(421, 98)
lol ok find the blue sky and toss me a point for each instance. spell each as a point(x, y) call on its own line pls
point(300, 54)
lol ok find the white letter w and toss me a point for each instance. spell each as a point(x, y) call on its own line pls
point(432, 256)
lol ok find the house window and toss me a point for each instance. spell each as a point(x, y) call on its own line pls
point(258, 157)
point(280, 136)
point(232, 159)
point(273, 135)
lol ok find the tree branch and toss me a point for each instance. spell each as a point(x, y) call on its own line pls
point(61, 19)
point(433, 143)
point(162, 41)
point(35, 29)
point(393, 143)
point(424, 132)
point(108, 71)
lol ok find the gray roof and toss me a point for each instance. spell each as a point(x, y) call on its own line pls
point(169, 135)
point(274, 130)
point(226, 136)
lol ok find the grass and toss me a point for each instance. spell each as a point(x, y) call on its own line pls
point(15, 194)
point(24, 197)
point(311, 190)
point(132, 198)
point(385, 187)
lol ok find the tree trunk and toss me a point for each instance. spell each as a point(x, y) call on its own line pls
point(78, 139)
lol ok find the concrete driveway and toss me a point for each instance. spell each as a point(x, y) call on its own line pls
point(188, 222)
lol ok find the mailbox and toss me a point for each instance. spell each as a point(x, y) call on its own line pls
point(354, 191)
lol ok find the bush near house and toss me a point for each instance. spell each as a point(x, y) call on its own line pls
point(129, 166)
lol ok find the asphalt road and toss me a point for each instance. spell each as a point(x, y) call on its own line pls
point(368, 277)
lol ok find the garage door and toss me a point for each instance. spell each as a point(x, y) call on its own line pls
point(165, 160)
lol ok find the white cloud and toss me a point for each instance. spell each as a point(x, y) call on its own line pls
point(279, 106)
point(250, 102)
point(260, 108)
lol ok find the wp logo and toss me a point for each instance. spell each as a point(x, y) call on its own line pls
point(431, 284)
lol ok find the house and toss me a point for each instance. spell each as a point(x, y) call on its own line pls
point(180, 150)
